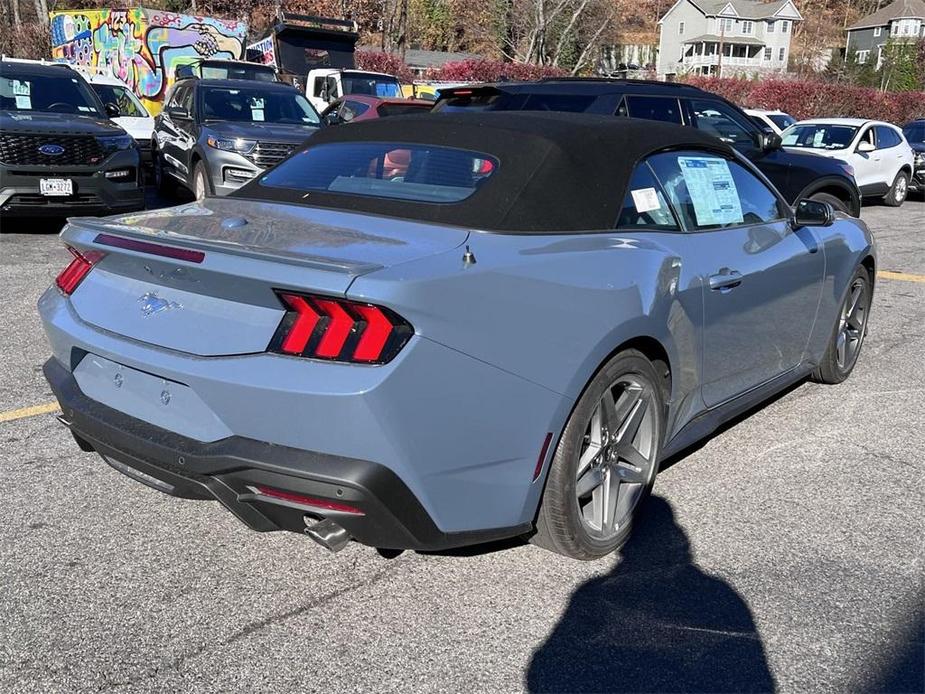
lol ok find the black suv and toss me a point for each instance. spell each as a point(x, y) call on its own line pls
point(213, 136)
point(59, 152)
point(915, 135)
point(796, 175)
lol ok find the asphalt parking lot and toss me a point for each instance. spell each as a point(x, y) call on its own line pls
point(785, 553)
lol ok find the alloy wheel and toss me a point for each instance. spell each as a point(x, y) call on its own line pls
point(852, 324)
point(902, 187)
point(200, 187)
point(617, 458)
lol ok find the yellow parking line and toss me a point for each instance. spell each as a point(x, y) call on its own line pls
point(904, 276)
point(24, 412)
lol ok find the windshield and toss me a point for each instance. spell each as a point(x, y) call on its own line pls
point(55, 93)
point(238, 72)
point(782, 120)
point(257, 106)
point(371, 85)
point(128, 103)
point(819, 136)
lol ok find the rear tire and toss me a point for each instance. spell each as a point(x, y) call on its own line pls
point(162, 181)
point(844, 347)
point(839, 204)
point(606, 461)
point(898, 191)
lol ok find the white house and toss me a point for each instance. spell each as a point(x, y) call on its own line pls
point(724, 37)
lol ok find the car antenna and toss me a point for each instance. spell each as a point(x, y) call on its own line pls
point(469, 257)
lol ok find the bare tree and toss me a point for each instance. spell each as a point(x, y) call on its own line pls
point(41, 11)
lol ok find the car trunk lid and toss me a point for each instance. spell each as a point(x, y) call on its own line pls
point(202, 278)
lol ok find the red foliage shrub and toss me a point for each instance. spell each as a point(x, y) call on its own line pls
point(379, 61)
point(812, 99)
point(482, 70)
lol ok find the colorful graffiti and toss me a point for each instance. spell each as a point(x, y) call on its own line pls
point(143, 47)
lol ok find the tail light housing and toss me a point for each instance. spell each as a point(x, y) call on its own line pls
point(323, 327)
point(71, 276)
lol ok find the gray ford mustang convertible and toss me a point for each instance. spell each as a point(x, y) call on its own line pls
point(427, 332)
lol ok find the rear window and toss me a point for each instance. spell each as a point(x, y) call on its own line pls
point(394, 109)
point(419, 173)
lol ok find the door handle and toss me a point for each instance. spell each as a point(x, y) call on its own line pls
point(725, 280)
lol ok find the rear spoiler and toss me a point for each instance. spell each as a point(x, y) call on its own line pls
point(103, 234)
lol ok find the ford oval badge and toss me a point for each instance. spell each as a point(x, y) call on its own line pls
point(51, 150)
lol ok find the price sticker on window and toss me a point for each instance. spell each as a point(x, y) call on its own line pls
point(645, 199)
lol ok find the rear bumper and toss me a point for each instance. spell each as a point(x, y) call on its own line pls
point(392, 516)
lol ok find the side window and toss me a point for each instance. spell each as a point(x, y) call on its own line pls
point(622, 110)
point(654, 108)
point(333, 91)
point(644, 206)
point(711, 192)
point(887, 137)
point(318, 87)
point(171, 99)
point(186, 99)
point(722, 121)
point(868, 137)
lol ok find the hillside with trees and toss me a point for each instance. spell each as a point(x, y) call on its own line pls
point(562, 34)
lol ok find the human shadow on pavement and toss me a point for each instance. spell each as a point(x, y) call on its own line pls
point(656, 622)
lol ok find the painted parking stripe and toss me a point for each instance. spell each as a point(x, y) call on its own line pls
point(902, 276)
point(32, 411)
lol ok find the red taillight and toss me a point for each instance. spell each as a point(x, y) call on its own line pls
point(323, 327)
point(302, 500)
point(77, 269)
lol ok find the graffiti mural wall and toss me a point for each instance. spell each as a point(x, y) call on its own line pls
point(143, 47)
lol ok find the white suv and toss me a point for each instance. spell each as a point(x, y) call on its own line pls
point(878, 152)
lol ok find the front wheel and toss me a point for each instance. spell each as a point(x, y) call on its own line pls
point(898, 191)
point(839, 204)
point(201, 188)
point(605, 463)
point(850, 329)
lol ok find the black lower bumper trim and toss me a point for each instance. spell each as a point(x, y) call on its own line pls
point(392, 516)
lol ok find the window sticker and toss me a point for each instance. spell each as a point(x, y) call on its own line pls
point(21, 88)
point(23, 102)
point(645, 199)
point(712, 190)
point(257, 109)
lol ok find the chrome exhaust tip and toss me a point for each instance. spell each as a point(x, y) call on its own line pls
point(326, 533)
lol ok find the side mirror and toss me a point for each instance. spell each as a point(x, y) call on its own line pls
point(812, 213)
point(768, 141)
point(112, 111)
point(866, 147)
point(331, 118)
point(178, 112)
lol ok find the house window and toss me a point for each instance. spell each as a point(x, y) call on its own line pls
point(767, 55)
point(680, 28)
point(894, 29)
point(747, 27)
point(771, 27)
point(781, 53)
point(785, 26)
point(862, 56)
point(878, 31)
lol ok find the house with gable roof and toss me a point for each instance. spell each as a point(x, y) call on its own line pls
point(727, 37)
point(903, 20)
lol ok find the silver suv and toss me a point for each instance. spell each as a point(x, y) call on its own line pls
point(213, 136)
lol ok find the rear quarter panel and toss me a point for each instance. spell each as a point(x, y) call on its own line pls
point(552, 308)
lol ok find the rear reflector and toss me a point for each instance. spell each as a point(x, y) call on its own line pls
point(302, 500)
point(77, 269)
point(323, 327)
point(186, 254)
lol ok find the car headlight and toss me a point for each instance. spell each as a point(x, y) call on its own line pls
point(115, 143)
point(919, 159)
point(239, 145)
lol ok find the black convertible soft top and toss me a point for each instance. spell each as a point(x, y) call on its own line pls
point(558, 171)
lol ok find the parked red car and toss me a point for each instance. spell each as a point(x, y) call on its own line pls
point(355, 107)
